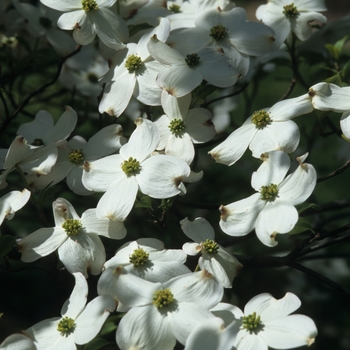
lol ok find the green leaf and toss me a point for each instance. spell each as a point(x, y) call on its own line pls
point(96, 344)
point(333, 50)
point(133, 29)
point(6, 245)
point(301, 226)
point(335, 79)
point(345, 72)
point(309, 206)
point(340, 44)
point(111, 324)
point(144, 202)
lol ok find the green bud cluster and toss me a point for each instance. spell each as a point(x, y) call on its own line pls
point(133, 63)
point(269, 193)
point(72, 227)
point(138, 257)
point(66, 326)
point(131, 166)
point(261, 119)
point(192, 60)
point(76, 156)
point(176, 126)
point(210, 246)
point(89, 5)
point(290, 11)
point(38, 142)
point(218, 32)
point(162, 298)
point(174, 8)
point(251, 322)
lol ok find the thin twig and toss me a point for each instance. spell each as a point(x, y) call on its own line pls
point(335, 172)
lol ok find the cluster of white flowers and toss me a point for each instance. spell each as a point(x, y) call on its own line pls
point(160, 64)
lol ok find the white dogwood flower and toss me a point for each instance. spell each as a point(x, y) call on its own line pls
point(79, 323)
point(266, 323)
point(215, 259)
point(180, 127)
point(287, 16)
point(91, 17)
point(162, 313)
point(264, 131)
point(134, 168)
point(272, 209)
point(12, 202)
point(79, 247)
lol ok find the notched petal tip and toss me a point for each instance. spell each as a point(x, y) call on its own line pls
point(138, 121)
point(223, 212)
point(86, 166)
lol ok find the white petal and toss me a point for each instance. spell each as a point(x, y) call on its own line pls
point(132, 290)
point(199, 125)
point(145, 328)
point(282, 136)
point(64, 126)
point(82, 253)
point(198, 230)
point(117, 95)
point(272, 171)
point(187, 317)
point(109, 139)
point(191, 248)
point(102, 226)
point(327, 97)
point(161, 176)
point(110, 28)
point(345, 124)
point(68, 21)
point(77, 300)
point(63, 5)
point(238, 218)
point(143, 141)
point(63, 210)
point(17, 342)
point(180, 146)
point(118, 200)
point(100, 174)
point(299, 185)
point(41, 243)
point(91, 320)
point(250, 341)
point(232, 149)
point(290, 332)
point(302, 27)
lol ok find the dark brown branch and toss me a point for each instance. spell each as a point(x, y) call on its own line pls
point(335, 172)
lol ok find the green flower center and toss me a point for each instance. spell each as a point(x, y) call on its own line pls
point(192, 60)
point(290, 11)
point(45, 22)
point(176, 126)
point(218, 32)
point(162, 298)
point(66, 326)
point(89, 5)
point(261, 119)
point(269, 193)
point(210, 246)
point(131, 166)
point(133, 63)
point(76, 156)
point(138, 257)
point(72, 227)
point(251, 322)
point(38, 142)
point(174, 8)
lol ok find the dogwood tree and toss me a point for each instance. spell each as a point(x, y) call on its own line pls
point(214, 175)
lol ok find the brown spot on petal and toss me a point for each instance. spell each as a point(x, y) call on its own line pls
point(170, 91)
point(272, 39)
point(206, 274)
point(208, 123)
point(311, 93)
point(220, 50)
point(110, 112)
point(86, 166)
point(223, 212)
point(77, 26)
point(216, 156)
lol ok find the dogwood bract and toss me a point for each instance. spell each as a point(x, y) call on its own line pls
point(134, 168)
point(271, 210)
point(162, 313)
point(78, 324)
point(79, 247)
point(215, 259)
point(266, 323)
point(264, 131)
point(291, 16)
point(91, 17)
